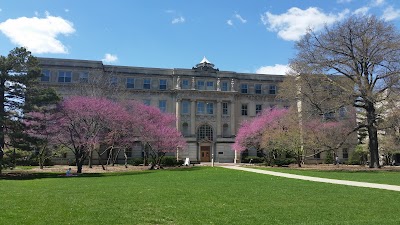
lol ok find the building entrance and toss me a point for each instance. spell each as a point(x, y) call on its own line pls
point(205, 153)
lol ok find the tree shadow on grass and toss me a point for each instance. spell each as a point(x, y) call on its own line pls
point(41, 175)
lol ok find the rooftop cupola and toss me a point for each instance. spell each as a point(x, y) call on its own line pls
point(205, 65)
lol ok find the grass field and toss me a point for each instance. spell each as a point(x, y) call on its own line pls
point(373, 176)
point(199, 195)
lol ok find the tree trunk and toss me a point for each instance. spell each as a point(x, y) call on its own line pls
point(126, 158)
point(90, 159)
point(101, 161)
point(2, 119)
point(373, 136)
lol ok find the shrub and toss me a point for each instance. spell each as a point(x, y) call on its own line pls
point(253, 159)
point(171, 161)
point(358, 157)
point(135, 161)
point(329, 157)
point(284, 161)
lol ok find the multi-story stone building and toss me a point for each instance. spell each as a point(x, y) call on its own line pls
point(209, 104)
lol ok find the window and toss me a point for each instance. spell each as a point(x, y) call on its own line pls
point(205, 132)
point(129, 152)
point(210, 108)
point(225, 108)
point(163, 84)
point(225, 130)
point(345, 153)
point(162, 105)
point(64, 76)
point(84, 77)
point(147, 102)
point(200, 107)
point(130, 83)
point(113, 81)
point(210, 85)
point(185, 107)
point(243, 88)
point(258, 108)
point(317, 154)
point(185, 129)
point(257, 88)
point(185, 84)
point(146, 84)
point(45, 76)
point(224, 86)
point(272, 89)
point(200, 85)
point(244, 109)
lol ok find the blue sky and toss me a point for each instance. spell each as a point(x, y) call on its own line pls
point(236, 35)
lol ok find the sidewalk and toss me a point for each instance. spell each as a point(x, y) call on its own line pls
point(317, 179)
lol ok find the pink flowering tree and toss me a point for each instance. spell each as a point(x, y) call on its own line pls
point(83, 123)
point(156, 130)
point(250, 133)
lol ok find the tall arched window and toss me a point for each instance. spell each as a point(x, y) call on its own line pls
point(205, 132)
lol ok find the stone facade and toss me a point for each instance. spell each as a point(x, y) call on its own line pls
point(209, 104)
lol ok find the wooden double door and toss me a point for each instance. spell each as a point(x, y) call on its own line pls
point(205, 153)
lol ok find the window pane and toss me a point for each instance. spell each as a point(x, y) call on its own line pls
point(244, 110)
point(163, 84)
point(224, 86)
point(185, 84)
point(210, 85)
point(146, 84)
point(200, 107)
point(257, 88)
point(84, 77)
point(272, 89)
point(258, 109)
point(200, 85)
point(224, 108)
point(243, 88)
point(130, 83)
point(64, 76)
point(185, 107)
point(45, 76)
point(210, 108)
point(162, 105)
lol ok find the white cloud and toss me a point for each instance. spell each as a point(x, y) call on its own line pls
point(178, 20)
point(66, 10)
point(36, 13)
point(1, 10)
point(277, 69)
point(109, 58)
point(240, 18)
point(295, 22)
point(38, 35)
point(378, 2)
point(169, 11)
point(361, 11)
point(390, 13)
point(229, 22)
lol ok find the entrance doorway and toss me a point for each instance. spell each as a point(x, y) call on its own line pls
point(205, 153)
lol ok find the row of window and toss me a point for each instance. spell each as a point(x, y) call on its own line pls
point(66, 77)
point(345, 154)
point(244, 89)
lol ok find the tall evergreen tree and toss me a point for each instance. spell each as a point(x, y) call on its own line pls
point(19, 92)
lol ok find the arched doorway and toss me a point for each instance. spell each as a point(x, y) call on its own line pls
point(205, 137)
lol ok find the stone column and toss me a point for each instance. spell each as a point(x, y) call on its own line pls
point(233, 111)
point(193, 117)
point(218, 116)
point(178, 114)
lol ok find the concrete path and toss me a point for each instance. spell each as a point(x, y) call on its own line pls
point(317, 179)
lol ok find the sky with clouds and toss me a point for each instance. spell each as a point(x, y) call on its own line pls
point(242, 36)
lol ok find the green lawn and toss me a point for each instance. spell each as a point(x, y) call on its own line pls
point(373, 176)
point(201, 195)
